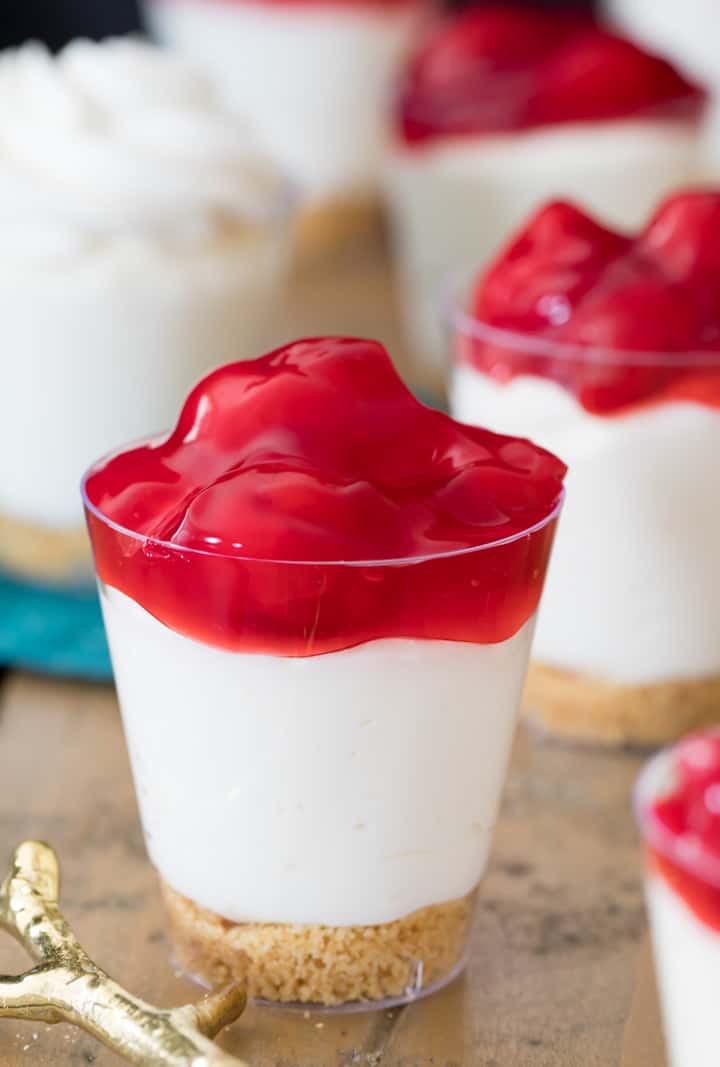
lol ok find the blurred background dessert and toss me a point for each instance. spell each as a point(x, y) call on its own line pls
point(678, 814)
point(605, 347)
point(316, 76)
point(145, 239)
point(503, 107)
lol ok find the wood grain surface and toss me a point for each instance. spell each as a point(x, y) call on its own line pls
point(553, 956)
point(643, 1045)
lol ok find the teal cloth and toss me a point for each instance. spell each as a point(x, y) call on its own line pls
point(51, 631)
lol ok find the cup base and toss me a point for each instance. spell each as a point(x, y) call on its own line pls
point(349, 968)
point(577, 707)
point(45, 556)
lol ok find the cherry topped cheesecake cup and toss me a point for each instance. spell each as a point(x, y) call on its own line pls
point(677, 805)
point(320, 597)
point(605, 347)
point(503, 107)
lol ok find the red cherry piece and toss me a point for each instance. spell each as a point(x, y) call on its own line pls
point(671, 813)
point(493, 69)
point(542, 275)
point(598, 75)
point(698, 760)
point(683, 238)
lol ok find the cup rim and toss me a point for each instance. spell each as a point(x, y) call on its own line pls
point(648, 787)
point(463, 322)
point(183, 550)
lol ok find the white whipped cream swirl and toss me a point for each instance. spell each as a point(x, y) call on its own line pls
point(120, 139)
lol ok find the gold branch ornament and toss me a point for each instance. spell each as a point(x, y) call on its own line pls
point(66, 986)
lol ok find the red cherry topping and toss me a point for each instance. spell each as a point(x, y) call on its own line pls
point(698, 761)
point(493, 69)
point(284, 470)
point(683, 238)
point(599, 297)
point(690, 814)
point(547, 269)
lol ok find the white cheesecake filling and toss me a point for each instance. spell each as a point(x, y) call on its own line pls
point(455, 201)
point(687, 957)
point(350, 788)
point(316, 78)
point(631, 594)
point(140, 248)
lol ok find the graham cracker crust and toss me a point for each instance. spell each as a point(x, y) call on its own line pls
point(583, 708)
point(329, 227)
point(44, 555)
point(321, 965)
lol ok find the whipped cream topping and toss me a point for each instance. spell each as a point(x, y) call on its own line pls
point(120, 138)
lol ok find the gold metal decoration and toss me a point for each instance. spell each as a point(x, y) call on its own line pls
point(66, 986)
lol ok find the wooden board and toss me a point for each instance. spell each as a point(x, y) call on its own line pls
point(552, 969)
point(643, 1045)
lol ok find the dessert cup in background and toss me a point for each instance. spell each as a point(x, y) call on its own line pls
point(144, 241)
point(320, 627)
point(606, 349)
point(504, 108)
point(317, 76)
point(677, 803)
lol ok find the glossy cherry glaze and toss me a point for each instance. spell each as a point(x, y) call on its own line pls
point(497, 69)
point(618, 320)
point(690, 818)
point(306, 502)
point(373, 5)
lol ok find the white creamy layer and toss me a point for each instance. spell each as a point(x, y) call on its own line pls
point(315, 77)
point(454, 202)
point(105, 140)
point(631, 594)
point(345, 789)
point(687, 957)
point(142, 244)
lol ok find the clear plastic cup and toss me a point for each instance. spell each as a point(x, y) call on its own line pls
point(104, 349)
point(319, 792)
point(683, 899)
point(626, 649)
